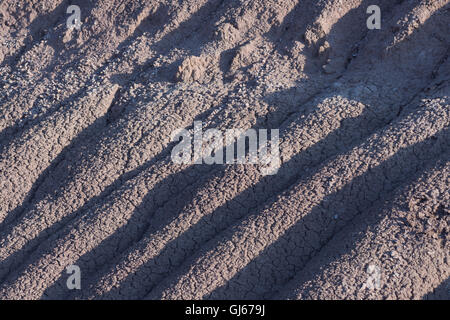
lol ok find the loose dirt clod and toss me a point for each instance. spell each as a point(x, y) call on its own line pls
point(192, 69)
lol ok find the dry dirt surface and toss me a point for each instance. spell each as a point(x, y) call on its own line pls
point(359, 208)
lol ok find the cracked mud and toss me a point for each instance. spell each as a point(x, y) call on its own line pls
point(86, 176)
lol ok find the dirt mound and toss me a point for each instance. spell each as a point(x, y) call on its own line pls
point(358, 208)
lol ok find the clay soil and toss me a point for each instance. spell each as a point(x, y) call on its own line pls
point(86, 175)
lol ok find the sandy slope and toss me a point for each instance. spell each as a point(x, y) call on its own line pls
point(86, 175)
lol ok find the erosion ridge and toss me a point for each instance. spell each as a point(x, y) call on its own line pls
point(87, 178)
